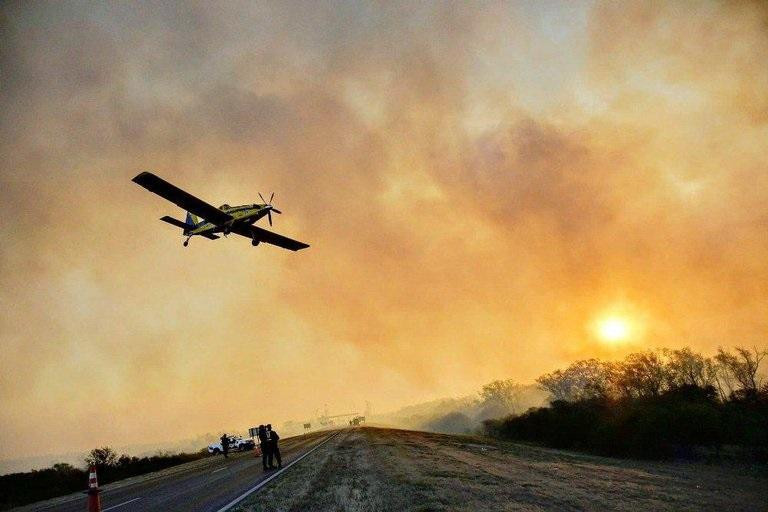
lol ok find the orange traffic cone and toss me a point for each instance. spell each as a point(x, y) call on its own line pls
point(94, 502)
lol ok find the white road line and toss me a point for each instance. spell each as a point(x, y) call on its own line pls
point(120, 505)
point(267, 480)
point(212, 472)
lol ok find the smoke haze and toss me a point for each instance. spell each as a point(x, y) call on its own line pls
point(478, 182)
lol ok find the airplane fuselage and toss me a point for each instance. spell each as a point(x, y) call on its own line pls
point(206, 220)
point(244, 214)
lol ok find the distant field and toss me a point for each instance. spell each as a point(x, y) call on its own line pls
point(373, 469)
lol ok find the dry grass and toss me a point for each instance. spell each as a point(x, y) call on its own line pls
point(385, 469)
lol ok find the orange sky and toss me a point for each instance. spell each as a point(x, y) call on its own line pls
point(480, 185)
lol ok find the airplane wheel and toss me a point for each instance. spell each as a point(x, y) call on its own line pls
point(186, 243)
point(254, 243)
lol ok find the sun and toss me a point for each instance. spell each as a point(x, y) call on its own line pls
point(613, 329)
point(619, 324)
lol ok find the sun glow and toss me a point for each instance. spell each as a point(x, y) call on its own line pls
point(613, 329)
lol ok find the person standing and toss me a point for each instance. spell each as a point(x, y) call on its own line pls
point(274, 448)
point(264, 444)
point(225, 445)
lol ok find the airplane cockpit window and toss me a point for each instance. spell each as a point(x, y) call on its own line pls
point(223, 207)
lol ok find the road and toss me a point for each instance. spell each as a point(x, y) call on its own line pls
point(199, 486)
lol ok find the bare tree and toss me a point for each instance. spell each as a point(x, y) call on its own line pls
point(687, 368)
point(719, 379)
point(650, 373)
point(505, 393)
point(742, 367)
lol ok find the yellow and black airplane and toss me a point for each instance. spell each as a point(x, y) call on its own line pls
point(206, 220)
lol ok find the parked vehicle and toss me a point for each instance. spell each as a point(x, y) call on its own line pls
point(236, 444)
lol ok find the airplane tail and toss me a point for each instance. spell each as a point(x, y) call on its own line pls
point(192, 220)
point(176, 222)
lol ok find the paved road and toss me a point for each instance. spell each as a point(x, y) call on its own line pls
point(200, 486)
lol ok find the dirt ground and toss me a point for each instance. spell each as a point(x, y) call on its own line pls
point(374, 469)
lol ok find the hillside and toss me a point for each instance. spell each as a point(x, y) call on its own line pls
point(386, 469)
point(464, 415)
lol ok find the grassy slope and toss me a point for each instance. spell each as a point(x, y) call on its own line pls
point(385, 469)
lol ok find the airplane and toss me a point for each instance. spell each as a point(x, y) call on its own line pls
point(206, 220)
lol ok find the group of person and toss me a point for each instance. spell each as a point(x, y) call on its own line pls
point(270, 450)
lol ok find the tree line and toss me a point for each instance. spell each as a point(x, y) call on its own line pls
point(20, 488)
point(658, 404)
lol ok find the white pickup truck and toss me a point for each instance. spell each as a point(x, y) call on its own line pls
point(236, 444)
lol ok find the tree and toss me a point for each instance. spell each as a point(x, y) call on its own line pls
point(642, 374)
point(557, 384)
point(742, 367)
point(687, 368)
point(714, 374)
point(592, 378)
point(505, 393)
point(104, 456)
point(63, 467)
point(582, 380)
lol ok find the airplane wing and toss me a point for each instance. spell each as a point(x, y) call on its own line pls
point(182, 199)
point(262, 235)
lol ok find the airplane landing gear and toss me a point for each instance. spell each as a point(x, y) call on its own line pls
point(254, 243)
point(186, 242)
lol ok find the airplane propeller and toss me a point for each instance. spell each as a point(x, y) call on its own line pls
point(271, 208)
